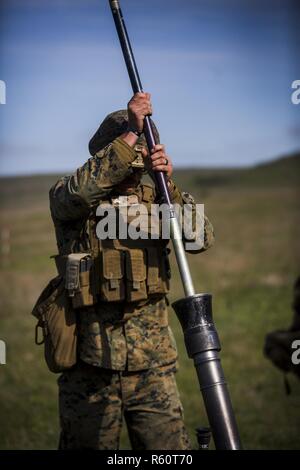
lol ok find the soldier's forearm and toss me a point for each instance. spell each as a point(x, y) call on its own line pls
point(130, 138)
point(72, 196)
point(113, 164)
point(175, 194)
point(177, 197)
point(65, 202)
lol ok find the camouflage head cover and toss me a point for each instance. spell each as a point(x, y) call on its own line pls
point(112, 127)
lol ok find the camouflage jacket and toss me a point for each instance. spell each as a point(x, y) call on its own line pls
point(118, 336)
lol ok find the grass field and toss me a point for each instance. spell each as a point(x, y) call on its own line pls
point(250, 272)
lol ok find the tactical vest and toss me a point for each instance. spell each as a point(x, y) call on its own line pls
point(117, 270)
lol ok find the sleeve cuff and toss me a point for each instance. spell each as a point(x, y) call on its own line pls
point(175, 194)
point(126, 153)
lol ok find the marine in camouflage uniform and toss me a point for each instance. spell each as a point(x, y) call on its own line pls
point(127, 354)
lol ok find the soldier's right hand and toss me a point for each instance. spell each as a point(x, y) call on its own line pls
point(138, 107)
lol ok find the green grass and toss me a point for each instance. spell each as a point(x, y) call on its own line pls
point(250, 272)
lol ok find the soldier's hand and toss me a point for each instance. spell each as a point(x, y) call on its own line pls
point(158, 160)
point(138, 107)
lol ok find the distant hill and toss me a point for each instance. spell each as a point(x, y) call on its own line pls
point(285, 171)
point(25, 190)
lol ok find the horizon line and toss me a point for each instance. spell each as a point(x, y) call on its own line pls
point(180, 168)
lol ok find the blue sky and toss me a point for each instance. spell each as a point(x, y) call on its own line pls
point(220, 74)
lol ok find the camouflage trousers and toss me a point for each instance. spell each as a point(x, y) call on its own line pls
point(93, 402)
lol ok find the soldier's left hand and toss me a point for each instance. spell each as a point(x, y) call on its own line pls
point(158, 160)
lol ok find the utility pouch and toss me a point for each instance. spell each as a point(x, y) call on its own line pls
point(136, 275)
point(57, 320)
point(159, 273)
point(80, 281)
point(112, 278)
point(153, 270)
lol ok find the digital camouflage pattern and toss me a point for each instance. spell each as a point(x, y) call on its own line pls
point(130, 343)
point(93, 402)
point(72, 201)
point(73, 198)
point(127, 336)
